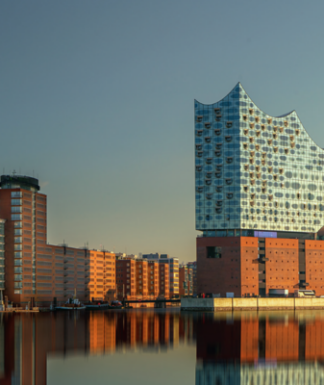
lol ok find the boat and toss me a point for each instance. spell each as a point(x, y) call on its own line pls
point(102, 305)
point(115, 305)
point(97, 304)
point(72, 304)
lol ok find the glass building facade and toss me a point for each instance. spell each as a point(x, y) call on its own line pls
point(255, 172)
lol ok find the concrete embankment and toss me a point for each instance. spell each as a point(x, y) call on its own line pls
point(19, 310)
point(232, 304)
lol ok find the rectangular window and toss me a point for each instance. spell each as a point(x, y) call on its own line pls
point(18, 239)
point(16, 202)
point(44, 277)
point(18, 246)
point(44, 263)
point(18, 262)
point(16, 209)
point(214, 252)
point(16, 217)
point(16, 194)
point(18, 277)
point(18, 232)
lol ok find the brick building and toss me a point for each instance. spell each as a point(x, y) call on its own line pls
point(253, 266)
point(193, 267)
point(153, 279)
point(173, 264)
point(173, 268)
point(126, 278)
point(185, 281)
point(164, 281)
point(141, 279)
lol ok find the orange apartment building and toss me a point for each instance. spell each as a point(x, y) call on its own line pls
point(164, 281)
point(141, 279)
point(37, 271)
point(153, 279)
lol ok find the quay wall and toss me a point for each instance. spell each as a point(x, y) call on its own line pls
point(232, 304)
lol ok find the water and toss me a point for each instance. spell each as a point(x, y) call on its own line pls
point(162, 347)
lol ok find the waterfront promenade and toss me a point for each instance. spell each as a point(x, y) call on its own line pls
point(232, 304)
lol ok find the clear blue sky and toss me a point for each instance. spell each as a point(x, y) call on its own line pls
point(97, 99)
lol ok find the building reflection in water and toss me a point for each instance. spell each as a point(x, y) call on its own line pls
point(26, 340)
point(239, 348)
point(260, 349)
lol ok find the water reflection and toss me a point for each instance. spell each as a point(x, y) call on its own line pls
point(260, 349)
point(237, 348)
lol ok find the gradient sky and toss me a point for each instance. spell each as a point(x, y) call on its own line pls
point(97, 101)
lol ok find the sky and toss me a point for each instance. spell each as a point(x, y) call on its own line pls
point(97, 102)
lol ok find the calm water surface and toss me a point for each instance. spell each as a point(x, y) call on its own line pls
point(162, 347)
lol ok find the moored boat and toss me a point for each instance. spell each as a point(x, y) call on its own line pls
point(102, 305)
point(115, 305)
point(97, 305)
point(72, 304)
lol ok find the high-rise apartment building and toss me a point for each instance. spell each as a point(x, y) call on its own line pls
point(24, 210)
point(35, 270)
point(259, 201)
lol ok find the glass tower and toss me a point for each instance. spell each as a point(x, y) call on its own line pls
point(255, 172)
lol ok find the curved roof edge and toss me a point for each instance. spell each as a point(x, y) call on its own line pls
point(240, 85)
point(210, 104)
